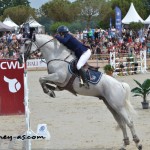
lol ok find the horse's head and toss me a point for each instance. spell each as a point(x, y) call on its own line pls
point(47, 45)
point(28, 47)
point(33, 46)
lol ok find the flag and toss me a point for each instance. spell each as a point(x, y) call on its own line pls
point(110, 23)
point(118, 19)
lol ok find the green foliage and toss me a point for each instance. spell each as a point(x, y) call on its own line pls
point(45, 22)
point(108, 68)
point(90, 9)
point(76, 26)
point(53, 27)
point(136, 26)
point(142, 90)
point(60, 10)
point(4, 4)
point(19, 14)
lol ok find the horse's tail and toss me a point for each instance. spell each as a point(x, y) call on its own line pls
point(128, 104)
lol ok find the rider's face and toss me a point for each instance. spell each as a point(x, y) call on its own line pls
point(61, 34)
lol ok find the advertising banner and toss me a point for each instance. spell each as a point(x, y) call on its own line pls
point(11, 87)
point(36, 63)
point(118, 19)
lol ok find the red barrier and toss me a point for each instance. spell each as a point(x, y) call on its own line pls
point(11, 88)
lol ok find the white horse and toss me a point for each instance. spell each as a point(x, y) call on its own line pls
point(116, 95)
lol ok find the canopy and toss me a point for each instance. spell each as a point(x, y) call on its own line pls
point(147, 21)
point(10, 23)
point(34, 24)
point(4, 27)
point(132, 16)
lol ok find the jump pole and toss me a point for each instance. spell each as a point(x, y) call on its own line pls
point(28, 132)
point(44, 132)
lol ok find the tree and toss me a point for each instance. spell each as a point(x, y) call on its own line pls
point(54, 26)
point(4, 4)
point(89, 9)
point(60, 10)
point(136, 26)
point(46, 22)
point(105, 16)
point(19, 13)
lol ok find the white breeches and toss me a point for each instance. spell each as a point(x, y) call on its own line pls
point(83, 59)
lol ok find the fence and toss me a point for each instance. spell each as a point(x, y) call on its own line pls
point(129, 65)
point(100, 60)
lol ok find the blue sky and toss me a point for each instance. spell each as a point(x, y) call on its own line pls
point(38, 3)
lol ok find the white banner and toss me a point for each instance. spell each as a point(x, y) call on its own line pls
point(36, 63)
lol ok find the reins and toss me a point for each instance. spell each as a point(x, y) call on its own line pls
point(38, 49)
point(60, 59)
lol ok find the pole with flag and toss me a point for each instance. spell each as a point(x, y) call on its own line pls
point(118, 19)
point(110, 23)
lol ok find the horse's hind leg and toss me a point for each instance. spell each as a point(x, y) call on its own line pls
point(130, 124)
point(121, 124)
point(47, 79)
point(49, 90)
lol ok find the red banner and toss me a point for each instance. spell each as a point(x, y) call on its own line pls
point(11, 87)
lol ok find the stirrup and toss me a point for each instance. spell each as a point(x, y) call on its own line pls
point(85, 84)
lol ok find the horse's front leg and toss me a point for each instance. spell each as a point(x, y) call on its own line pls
point(50, 78)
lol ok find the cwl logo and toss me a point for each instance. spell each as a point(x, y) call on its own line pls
point(13, 84)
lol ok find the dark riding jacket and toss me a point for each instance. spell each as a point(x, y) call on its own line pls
point(72, 43)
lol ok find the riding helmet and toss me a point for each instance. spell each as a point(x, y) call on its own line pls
point(62, 29)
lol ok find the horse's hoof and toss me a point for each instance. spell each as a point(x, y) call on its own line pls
point(140, 147)
point(126, 141)
point(122, 149)
point(51, 94)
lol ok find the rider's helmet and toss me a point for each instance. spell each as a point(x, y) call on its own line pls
point(62, 30)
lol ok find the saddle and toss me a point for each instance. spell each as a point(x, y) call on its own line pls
point(91, 67)
point(86, 67)
point(92, 73)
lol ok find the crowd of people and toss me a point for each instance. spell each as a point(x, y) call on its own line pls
point(98, 40)
point(105, 41)
point(10, 44)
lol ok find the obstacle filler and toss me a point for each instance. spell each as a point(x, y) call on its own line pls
point(11, 87)
point(131, 66)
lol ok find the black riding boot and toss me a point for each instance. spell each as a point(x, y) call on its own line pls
point(83, 76)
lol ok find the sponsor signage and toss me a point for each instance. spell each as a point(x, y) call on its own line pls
point(34, 63)
point(11, 87)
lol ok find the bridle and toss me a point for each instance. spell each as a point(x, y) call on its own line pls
point(27, 53)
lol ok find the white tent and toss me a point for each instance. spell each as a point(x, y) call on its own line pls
point(132, 16)
point(34, 24)
point(10, 23)
point(147, 21)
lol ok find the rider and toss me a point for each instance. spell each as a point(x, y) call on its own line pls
point(82, 52)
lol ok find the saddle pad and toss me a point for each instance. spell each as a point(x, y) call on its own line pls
point(93, 76)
